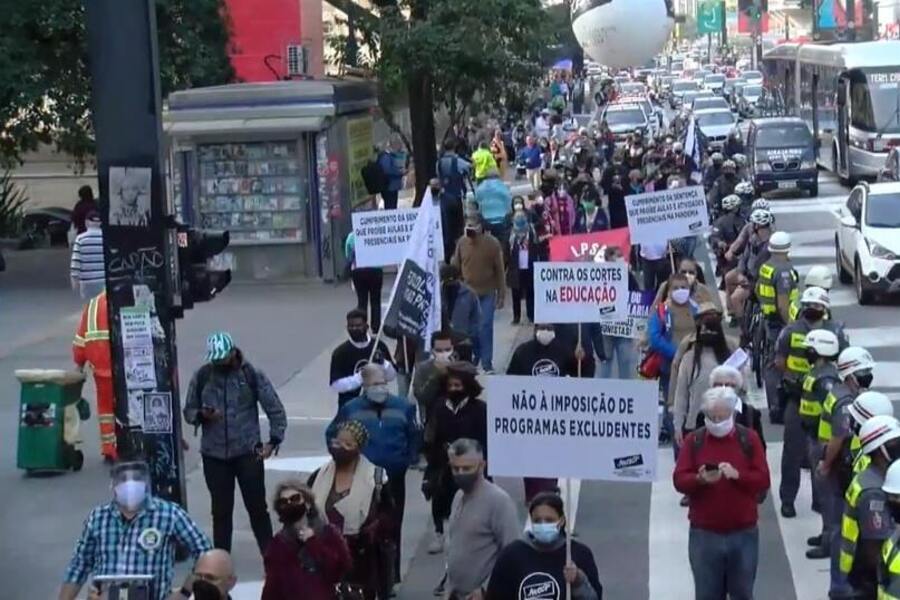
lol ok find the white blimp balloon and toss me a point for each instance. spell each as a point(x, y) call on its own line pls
point(622, 33)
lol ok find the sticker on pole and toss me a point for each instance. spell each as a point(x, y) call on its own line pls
point(557, 427)
point(566, 292)
point(656, 217)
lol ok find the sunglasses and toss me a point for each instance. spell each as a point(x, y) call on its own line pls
point(294, 500)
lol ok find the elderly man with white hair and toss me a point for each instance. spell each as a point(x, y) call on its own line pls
point(722, 469)
point(746, 414)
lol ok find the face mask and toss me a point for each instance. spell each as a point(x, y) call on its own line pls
point(130, 494)
point(708, 337)
point(588, 206)
point(813, 315)
point(377, 393)
point(471, 232)
point(518, 207)
point(539, 201)
point(341, 455)
point(465, 481)
point(435, 192)
point(291, 513)
point(358, 336)
point(205, 590)
point(864, 379)
point(456, 396)
point(545, 533)
point(545, 336)
point(443, 356)
point(721, 429)
point(680, 296)
point(894, 507)
point(811, 355)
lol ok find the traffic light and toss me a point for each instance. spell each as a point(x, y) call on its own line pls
point(199, 282)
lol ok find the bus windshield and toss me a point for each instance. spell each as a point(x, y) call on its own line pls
point(876, 100)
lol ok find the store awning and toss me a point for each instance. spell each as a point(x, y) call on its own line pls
point(229, 126)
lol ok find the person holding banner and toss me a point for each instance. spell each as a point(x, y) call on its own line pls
point(539, 559)
point(367, 283)
point(460, 311)
point(348, 359)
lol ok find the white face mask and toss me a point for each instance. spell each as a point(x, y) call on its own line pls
point(377, 393)
point(722, 428)
point(442, 356)
point(681, 296)
point(545, 336)
point(130, 494)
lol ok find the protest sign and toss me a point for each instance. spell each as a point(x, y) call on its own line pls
point(382, 236)
point(656, 217)
point(585, 246)
point(635, 324)
point(580, 292)
point(565, 427)
point(407, 315)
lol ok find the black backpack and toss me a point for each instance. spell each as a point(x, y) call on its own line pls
point(452, 183)
point(374, 177)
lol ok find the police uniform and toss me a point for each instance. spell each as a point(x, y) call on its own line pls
point(817, 384)
point(889, 568)
point(866, 518)
point(776, 278)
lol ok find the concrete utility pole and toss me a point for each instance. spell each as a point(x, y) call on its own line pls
point(139, 236)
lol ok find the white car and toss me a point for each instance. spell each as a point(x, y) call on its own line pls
point(716, 124)
point(867, 242)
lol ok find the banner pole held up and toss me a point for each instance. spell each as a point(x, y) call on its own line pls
point(579, 361)
point(569, 526)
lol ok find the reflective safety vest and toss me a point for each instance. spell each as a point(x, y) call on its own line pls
point(816, 385)
point(869, 479)
point(796, 364)
point(839, 393)
point(766, 291)
point(889, 569)
point(794, 310)
point(91, 343)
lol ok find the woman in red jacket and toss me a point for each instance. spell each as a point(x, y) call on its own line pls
point(308, 557)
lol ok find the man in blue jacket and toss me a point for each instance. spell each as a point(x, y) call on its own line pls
point(494, 199)
point(394, 435)
point(392, 161)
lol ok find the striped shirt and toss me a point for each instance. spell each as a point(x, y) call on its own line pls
point(87, 256)
point(111, 545)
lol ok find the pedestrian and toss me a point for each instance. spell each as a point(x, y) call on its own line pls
point(541, 127)
point(618, 347)
point(699, 291)
point(459, 413)
point(521, 256)
point(494, 200)
point(532, 156)
point(308, 553)
point(222, 401)
point(85, 206)
point(538, 560)
point(590, 216)
point(351, 355)
point(394, 436)
point(135, 529)
point(91, 347)
point(453, 173)
point(213, 576)
point(483, 161)
point(350, 492)
point(483, 521)
point(460, 310)
point(615, 194)
point(429, 374)
point(722, 470)
point(498, 150)
point(656, 264)
point(670, 322)
point(558, 202)
point(87, 269)
point(392, 161)
point(367, 283)
point(745, 413)
point(479, 257)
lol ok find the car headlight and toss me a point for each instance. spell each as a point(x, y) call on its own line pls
point(808, 164)
point(763, 167)
point(879, 251)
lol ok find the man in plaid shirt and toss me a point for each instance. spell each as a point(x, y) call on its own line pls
point(134, 535)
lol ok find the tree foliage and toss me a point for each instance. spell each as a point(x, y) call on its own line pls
point(45, 87)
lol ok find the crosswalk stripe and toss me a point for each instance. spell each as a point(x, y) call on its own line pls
point(670, 569)
point(873, 337)
point(885, 373)
point(801, 251)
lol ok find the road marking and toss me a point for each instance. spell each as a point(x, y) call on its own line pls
point(802, 251)
point(297, 464)
point(670, 570)
point(873, 337)
point(885, 373)
point(249, 590)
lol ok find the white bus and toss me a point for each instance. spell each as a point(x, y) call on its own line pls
point(848, 94)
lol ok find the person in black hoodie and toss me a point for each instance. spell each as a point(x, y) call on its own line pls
point(539, 559)
point(542, 356)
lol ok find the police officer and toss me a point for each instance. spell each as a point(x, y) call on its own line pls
point(889, 567)
point(866, 522)
point(817, 276)
point(867, 405)
point(854, 367)
point(776, 288)
point(791, 361)
point(822, 348)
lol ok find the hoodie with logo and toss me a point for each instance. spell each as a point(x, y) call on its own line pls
point(527, 570)
point(533, 359)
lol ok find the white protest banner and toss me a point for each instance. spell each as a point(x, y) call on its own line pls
point(635, 324)
point(656, 217)
point(556, 427)
point(566, 292)
point(381, 237)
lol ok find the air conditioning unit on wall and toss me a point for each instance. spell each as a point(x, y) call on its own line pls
point(297, 61)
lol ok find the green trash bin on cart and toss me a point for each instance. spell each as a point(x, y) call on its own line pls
point(50, 411)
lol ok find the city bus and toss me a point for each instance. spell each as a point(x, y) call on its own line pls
point(849, 96)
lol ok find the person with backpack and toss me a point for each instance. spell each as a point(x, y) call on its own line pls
point(722, 468)
point(392, 162)
point(453, 172)
point(222, 401)
point(374, 177)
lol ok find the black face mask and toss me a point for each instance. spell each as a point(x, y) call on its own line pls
point(291, 513)
point(456, 396)
point(435, 192)
point(864, 379)
point(813, 315)
point(709, 337)
point(811, 355)
point(205, 590)
point(357, 335)
point(341, 455)
point(894, 507)
point(471, 232)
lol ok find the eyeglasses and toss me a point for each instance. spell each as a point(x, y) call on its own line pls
point(687, 272)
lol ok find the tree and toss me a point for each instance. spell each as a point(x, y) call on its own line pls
point(45, 87)
point(464, 56)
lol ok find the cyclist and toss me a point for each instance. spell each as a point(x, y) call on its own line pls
point(738, 281)
point(725, 230)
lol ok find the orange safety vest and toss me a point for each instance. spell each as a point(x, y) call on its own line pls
point(91, 344)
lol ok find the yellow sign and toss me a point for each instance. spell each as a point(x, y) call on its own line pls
point(360, 141)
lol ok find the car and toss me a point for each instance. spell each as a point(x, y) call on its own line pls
point(781, 155)
point(46, 226)
point(753, 77)
point(748, 98)
point(700, 75)
point(867, 242)
point(705, 103)
point(715, 124)
point(632, 88)
point(654, 113)
point(624, 119)
point(891, 169)
point(728, 88)
point(679, 88)
point(714, 82)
